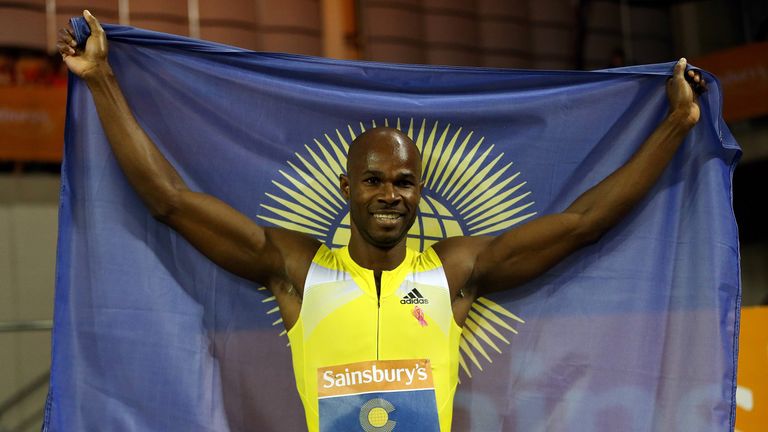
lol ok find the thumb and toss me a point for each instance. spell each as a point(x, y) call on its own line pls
point(96, 45)
point(93, 23)
point(680, 68)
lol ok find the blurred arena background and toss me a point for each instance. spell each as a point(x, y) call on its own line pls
point(728, 38)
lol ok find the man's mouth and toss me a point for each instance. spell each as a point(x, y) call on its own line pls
point(386, 216)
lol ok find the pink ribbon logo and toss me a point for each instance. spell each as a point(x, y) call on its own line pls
point(418, 313)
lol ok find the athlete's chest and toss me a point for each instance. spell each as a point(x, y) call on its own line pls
point(355, 315)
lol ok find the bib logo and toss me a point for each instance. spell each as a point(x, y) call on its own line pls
point(373, 374)
point(468, 190)
point(374, 416)
point(365, 394)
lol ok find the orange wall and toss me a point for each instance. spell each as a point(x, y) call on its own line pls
point(32, 122)
point(743, 73)
point(752, 378)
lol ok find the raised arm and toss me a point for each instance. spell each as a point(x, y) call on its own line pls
point(274, 257)
point(481, 265)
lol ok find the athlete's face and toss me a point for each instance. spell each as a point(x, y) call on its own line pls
point(383, 187)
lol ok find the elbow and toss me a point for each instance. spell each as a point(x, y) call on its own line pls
point(591, 230)
point(161, 213)
point(162, 206)
point(589, 237)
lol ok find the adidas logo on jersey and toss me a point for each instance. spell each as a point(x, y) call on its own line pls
point(414, 297)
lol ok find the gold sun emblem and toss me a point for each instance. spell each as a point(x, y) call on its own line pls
point(468, 190)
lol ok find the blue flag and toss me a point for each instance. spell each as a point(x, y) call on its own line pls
point(634, 333)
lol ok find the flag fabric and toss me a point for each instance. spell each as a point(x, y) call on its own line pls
point(637, 332)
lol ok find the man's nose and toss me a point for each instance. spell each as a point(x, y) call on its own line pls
point(388, 193)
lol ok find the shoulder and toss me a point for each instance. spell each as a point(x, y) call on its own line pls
point(325, 256)
point(458, 256)
point(456, 250)
point(425, 261)
point(296, 245)
point(296, 250)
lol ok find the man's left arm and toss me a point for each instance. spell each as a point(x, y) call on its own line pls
point(476, 266)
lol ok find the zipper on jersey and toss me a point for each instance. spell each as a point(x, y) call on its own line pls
point(377, 280)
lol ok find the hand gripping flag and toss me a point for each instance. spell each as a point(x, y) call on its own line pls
point(634, 333)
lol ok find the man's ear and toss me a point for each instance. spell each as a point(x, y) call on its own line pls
point(344, 186)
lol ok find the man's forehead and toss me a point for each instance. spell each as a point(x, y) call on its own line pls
point(384, 145)
point(400, 172)
point(389, 149)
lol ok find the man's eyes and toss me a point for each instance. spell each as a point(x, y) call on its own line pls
point(399, 183)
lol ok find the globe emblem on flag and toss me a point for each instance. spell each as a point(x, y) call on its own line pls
point(468, 190)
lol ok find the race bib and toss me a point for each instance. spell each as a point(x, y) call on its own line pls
point(380, 396)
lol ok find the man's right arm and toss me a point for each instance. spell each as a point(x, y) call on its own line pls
point(274, 257)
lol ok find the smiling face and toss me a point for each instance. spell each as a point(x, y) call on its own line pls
point(382, 186)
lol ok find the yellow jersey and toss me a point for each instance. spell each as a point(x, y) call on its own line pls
point(343, 320)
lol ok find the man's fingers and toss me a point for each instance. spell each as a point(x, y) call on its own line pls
point(65, 36)
point(66, 44)
point(72, 40)
point(692, 76)
point(696, 81)
point(65, 49)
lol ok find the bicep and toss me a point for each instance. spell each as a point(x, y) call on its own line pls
point(235, 242)
point(526, 252)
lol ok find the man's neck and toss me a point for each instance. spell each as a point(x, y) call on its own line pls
point(376, 259)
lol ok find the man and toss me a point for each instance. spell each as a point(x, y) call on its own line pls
point(350, 311)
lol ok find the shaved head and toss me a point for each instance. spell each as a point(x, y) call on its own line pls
point(382, 137)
